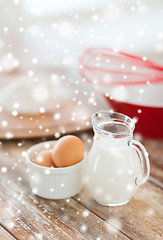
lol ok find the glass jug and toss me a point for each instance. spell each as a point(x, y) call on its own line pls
point(116, 164)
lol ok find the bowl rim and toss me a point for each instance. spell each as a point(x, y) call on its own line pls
point(58, 170)
point(135, 104)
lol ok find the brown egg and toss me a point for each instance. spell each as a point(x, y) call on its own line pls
point(44, 158)
point(68, 151)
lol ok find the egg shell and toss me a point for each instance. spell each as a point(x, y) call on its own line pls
point(44, 158)
point(68, 151)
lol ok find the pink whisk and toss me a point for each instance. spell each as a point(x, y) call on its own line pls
point(105, 67)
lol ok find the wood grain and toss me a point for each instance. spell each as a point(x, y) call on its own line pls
point(30, 217)
point(4, 235)
point(155, 150)
point(135, 219)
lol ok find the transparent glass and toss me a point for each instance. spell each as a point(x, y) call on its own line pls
point(116, 164)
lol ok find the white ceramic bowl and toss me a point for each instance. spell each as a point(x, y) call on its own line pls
point(53, 183)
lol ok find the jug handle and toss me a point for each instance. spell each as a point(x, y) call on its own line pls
point(144, 160)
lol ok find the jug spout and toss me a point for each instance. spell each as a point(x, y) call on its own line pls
point(112, 124)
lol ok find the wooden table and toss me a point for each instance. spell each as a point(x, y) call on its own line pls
point(26, 216)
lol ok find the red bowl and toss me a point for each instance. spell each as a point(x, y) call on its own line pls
point(132, 85)
point(142, 103)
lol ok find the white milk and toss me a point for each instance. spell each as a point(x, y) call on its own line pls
point(111, 170)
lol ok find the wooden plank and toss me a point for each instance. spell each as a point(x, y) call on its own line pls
point(4, 235)
point(54, 219)
point(134, 219)
point(155, 150)
point(156, 175)
point(26, 221)
point(141, 218)
point(29, 216)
